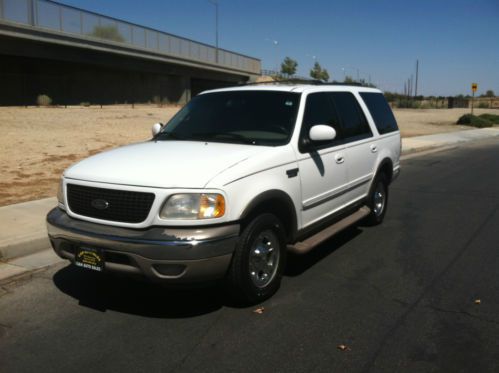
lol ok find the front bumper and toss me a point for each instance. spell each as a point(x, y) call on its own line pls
point(171, 255)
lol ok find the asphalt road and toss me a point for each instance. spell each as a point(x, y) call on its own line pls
point(400, 296)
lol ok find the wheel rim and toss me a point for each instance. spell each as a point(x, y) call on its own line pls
point(264, 259)
point(379, 199)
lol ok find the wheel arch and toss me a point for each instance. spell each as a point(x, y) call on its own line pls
point(386, 167)
point(276, 202)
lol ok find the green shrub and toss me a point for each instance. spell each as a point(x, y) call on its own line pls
point(109, 32)
point(408, 104)
point(483, 105)
point(157, 100)
point(43, 100)
point(85, 103)
point(473, 120)
point(493, 118)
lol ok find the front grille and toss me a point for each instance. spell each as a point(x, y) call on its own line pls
point(109, 204)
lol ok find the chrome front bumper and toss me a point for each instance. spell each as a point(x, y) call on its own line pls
point(171, 255)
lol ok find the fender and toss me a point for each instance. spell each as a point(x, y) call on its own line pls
point(387, 164)
point(275, 198)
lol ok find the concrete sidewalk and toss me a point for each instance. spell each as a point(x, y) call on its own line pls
point(439, 140)
point(23, 228)
point(23, 237)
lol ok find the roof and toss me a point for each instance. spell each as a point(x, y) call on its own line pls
point(298, 88)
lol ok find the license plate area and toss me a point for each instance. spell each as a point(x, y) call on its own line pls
point(90, 258)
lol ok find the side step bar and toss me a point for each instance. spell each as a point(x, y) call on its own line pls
point(318, 238)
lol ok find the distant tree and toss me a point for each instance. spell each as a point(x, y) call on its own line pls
point(490, 93)
point(318, 73)
point(288, 66)
point(349, 80)
point(325, 75)
point(107, 32)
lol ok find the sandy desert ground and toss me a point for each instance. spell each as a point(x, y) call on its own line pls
point(37, 144)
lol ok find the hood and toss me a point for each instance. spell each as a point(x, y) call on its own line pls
point(162, 164)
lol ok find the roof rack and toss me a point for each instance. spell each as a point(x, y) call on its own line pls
point(302, 81)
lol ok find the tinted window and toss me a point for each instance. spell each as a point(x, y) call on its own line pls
point(319, 109)
point(353, 122)
point(248, 117)
point(380, 111)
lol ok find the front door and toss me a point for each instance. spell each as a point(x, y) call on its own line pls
point(360, 145)
point(323, 171)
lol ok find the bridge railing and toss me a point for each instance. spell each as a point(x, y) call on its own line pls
point(49, 15)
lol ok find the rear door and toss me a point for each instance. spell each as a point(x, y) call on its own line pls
point(322, 168)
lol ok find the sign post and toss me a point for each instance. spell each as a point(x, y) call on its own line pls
point(474, 87)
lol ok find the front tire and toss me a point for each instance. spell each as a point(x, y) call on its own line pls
point(377, 200)
point(258, 261)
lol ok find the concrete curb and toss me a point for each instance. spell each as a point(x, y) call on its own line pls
point(23, 228)
point(24, 234)
point(25, 267)
point(24, 245)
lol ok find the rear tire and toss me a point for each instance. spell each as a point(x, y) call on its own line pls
point(377, 200)
point(258, 262)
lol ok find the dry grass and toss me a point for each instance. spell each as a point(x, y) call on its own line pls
point(39, 143)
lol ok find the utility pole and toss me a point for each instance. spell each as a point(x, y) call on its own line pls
point(417, 77)
point(215, 3)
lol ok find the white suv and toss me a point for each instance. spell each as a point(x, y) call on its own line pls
point(236, 179)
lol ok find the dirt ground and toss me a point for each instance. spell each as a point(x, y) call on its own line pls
point(37, 144)
point(418, 122)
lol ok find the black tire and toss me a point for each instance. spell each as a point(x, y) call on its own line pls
point(377, 214)
point(252, 286)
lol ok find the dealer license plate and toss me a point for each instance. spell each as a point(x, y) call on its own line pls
point(90, 258)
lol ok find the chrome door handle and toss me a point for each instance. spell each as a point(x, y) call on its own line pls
point(339, 158)
point(374, 148)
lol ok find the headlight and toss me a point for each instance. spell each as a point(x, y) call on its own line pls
point(60, 193)
point(193, 206)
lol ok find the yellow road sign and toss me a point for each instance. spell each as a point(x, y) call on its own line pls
point(474, 87)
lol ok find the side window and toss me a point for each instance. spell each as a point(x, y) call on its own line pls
point(380, 111)
point(353, 120)
point(319, 110)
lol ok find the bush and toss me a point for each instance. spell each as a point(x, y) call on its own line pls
point(483, 105)
point(85, 103)
point(157, 101)
point(408, 104)
point(110, 32)
point(473, 120)
point(493, 118)
point(43, 100)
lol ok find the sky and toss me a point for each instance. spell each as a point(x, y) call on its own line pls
point(455, 41)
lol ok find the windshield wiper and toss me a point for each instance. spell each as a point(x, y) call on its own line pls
point(213, 136)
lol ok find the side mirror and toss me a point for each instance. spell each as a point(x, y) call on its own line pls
point(321, 132)
point(156, 128)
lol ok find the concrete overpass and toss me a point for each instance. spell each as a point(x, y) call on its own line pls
point(77, 56)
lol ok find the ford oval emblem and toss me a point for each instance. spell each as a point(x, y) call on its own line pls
point(100, 204)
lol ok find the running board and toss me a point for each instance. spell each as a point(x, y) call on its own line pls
point(318, 238)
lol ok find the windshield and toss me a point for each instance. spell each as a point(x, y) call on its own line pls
point(247, 117)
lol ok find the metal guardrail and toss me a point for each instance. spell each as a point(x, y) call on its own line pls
point(49, 15)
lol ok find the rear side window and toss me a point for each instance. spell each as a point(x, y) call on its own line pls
point(353, 122)
point(380, 111)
